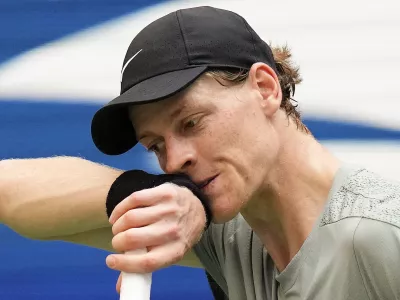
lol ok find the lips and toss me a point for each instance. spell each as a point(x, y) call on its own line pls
point(206, 182)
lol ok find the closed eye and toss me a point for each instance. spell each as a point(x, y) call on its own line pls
point(191, 123)
point(153, 149)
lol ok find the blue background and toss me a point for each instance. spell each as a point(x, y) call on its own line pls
point(54, 270)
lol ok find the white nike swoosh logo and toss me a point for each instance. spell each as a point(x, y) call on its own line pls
point(127, 63)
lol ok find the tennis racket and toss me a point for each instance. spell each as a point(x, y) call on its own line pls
point(135, 286)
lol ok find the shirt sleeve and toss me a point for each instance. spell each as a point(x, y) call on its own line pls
point(377, 251)
point(210, 251)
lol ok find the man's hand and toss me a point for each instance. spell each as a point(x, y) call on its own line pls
point(167, 220)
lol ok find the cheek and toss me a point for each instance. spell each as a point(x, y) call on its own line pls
point(250, 149)
point(241, 145)
point(251, 142)
point(242, 138)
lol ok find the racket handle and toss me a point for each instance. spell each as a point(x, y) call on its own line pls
point(135, 286)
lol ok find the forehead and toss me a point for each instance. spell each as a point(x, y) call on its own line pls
point(200, 93)
point(141, 114)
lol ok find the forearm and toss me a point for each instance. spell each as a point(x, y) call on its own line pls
point(101, 238)
point(61, 198)
point(97, 238)
point(48, 198)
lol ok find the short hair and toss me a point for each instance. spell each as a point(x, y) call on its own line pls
point(288, 75)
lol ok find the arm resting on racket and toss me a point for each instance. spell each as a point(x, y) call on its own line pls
point(101, 239)
point(60, 198)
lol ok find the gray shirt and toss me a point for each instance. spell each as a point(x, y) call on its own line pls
point(353, 251)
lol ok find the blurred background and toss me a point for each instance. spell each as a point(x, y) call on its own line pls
point(60, 60)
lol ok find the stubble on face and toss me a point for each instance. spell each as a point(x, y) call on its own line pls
point(230, 140)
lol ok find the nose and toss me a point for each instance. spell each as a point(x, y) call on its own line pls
point(180, 155)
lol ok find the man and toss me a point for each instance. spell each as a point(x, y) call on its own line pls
point(203, 92)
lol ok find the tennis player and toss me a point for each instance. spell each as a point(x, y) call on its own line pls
point(212, 100)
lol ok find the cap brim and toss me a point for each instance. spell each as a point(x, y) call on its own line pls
point(112, 130)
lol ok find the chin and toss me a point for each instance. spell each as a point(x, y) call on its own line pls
point(223, 210)
point(224, 201)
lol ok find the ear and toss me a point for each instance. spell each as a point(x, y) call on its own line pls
point(265, 82)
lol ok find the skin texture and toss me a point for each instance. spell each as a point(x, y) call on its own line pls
point(63, 199)
point(216, 133)
point(167, 220)
point(262, 166)
point(275, 175)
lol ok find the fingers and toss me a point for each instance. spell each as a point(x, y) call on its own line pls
point(158, 257)
point(118, 285)
point(140, 217)
point(139, 238)
point(164, 220)
point(135, 200)
point(143, 198)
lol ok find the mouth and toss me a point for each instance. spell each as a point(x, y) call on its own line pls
point(206, 182)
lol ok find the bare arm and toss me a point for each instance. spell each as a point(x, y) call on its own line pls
point(51, 197)
point(59, 198)
point(101, 238)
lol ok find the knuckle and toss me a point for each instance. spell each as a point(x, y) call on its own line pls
point(130, 239)
point(115, 230)
point(172, 210)
point(149, 264)
point(132, 200)
point(187, 192)
point(174, 232)
point(116, 244)
point(170, 192)
point(167, 210)
point(176, 212)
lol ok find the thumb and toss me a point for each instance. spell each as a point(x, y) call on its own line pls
point(118, 286)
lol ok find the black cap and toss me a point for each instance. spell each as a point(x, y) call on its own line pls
point(166, 57)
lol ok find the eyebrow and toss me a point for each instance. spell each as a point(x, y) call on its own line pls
point(143, 135)
point(175, 113)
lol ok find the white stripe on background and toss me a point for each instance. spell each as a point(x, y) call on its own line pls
point(348, 51)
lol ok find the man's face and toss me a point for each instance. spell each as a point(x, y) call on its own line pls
point(217, 135)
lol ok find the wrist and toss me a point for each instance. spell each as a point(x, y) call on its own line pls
point(184, 181)
point(136, 180)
